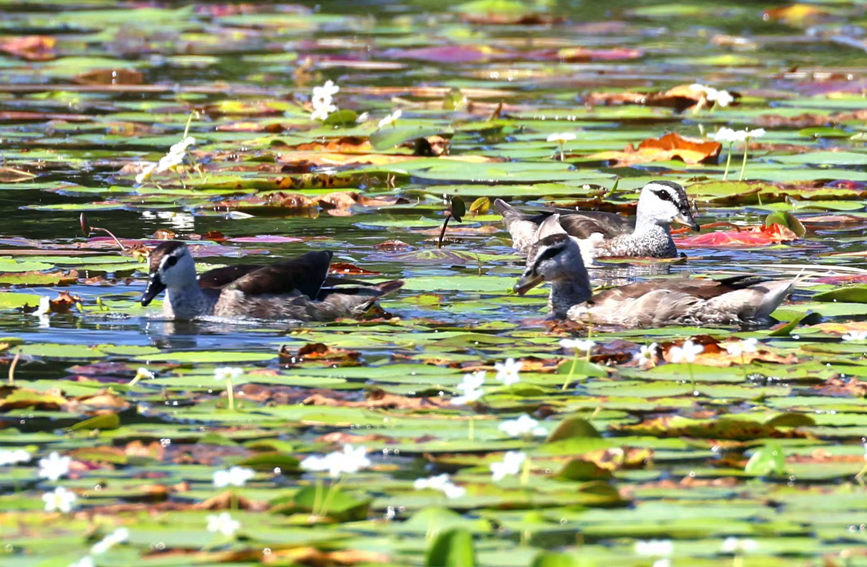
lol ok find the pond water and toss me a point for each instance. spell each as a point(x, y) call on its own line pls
point(764, 447)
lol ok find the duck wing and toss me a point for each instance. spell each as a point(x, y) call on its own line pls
point(302, 275)
point(585, 223)
point(683, 300)
point(221, 277)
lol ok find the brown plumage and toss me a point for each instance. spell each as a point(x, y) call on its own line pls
point(296, 289)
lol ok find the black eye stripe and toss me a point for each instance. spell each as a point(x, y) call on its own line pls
point(546, 253)
point(681, 202)
point(171, 261)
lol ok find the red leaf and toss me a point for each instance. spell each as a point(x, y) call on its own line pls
point(751, 236)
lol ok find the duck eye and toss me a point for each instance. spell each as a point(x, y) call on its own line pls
point(171, 261)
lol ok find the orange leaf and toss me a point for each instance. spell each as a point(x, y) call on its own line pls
point(30, 47)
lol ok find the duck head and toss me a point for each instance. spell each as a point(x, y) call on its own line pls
point(557, 259)
point(664, 202)
point(171, 266)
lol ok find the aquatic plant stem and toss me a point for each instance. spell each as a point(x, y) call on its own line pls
point(230, 392)
point(317, 498)
point(12, 366)
point(443, 231)
point(744, 162)
point(471, 429)
point(329, 496)
point(571, 371)
point(728, 161)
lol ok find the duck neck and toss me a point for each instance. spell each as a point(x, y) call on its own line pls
point(645, 224)
point(566, 292)
point(185, 302)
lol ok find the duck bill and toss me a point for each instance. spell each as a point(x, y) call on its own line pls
point(526, 283)
point(155, 286)
point(687, 220)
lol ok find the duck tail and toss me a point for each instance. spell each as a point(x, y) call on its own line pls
point(775, 293)
point(505, 209)
point(389, 287)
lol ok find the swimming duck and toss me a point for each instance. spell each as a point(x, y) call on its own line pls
point(608, 234)
point(298, 289)
point(683, 301)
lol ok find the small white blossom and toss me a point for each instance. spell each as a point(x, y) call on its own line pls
point(524, 425)
point(390, 119)
point(757, 133)
point(175, 155)
point(234, 476)
point(227, 373)
point(60, 499)
point(646, 355)
point(54, 466)
point(143, 373)
point(86, 561)
point(508, 371)
point(322, 100)
point(223, 524)
point(583, 345)
point(119, 535)
point(654, 548)
point(442, 483)
point(728, 136)
point(347, 461)
point(738, 348)
point(855, 336)
point(471, 386)
point(145, 173)
point(734, 545)
point(362, 118)
point(510, 465)
point(561, 137)
point(685, 353)
point(13, 456)
point(718, 96)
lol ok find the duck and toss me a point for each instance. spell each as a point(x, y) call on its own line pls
point(297, 289)
point(737, 300)
point(601, 234)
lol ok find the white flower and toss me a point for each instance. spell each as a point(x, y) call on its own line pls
point(561, 137)
point(326, 91)
point(665, 562)
point(145, 173)
point(13, 456)
point(654, 548)
point(223, 523)
point(390, 119)
point(60, 499)
point(740, 347)
point(234, 476)
point(175, 155)
point(734, 545)
point(717, 96)
point(728, 136)
point(510, 465)
point(471, 386)
point(322, 100)
point(685, 353)
point(349, 460)
point(757, 133)
point(855, 336)
point(119, 535)
point(442, 483)
point(54, 466)
point(44, 306)
point(524, 425)
point(507, 372)
point(143, 372)
point(578, 344)
point(86, 561)
point(227, 373)
point(646, 355)
point(362, 118)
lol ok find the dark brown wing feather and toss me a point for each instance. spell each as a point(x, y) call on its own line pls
point(304, 274)
point(584, 224)
point(220, 277)
point(704, 289)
